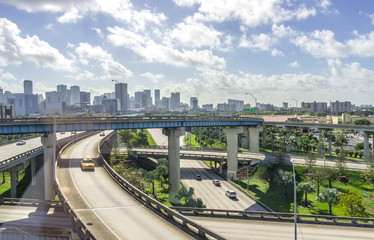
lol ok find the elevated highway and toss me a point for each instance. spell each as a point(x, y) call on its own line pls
point(108, 211)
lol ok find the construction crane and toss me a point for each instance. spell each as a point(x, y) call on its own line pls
point(255, 101)
point(115, 81)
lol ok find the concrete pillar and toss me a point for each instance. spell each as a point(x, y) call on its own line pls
point(174, 160)
point(330, 147)
point(288, 148)
point(254, 139)
point(232, 151)
point(14, 180)
point(320, 138)
point(33, 174)
point(366, 145)
point(220, 167)
point(48, 166)
point(263, 139)
point(245, 141)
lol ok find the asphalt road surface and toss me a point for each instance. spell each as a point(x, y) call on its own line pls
point(110, 212)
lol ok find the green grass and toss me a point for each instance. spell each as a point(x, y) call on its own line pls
point(150, 139)
point(162, 195)
point(23, 181)
point(191, 142)
point(271, 194)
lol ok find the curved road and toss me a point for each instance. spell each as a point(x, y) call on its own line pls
point(110, 212)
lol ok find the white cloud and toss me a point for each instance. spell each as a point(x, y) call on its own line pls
point(150, 51)
point(152, 75)
point(322, 44)
point(185, 3)
point(98, 31)
point(281, 31)
point(276, 52)
point(49, 26)
point(15, 50)
point(74, 10)
point(86, 53)
point(261, 42)
point(251, 12)
point(196, 35)
point(294, 64)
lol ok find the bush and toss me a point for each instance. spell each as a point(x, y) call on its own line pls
point(355, 154)
point(360, 154)
point(337, 151)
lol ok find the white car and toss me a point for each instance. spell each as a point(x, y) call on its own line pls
point(21, 142)
point(231, 193)
point(102, 134)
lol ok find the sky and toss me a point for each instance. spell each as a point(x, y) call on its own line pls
point(278, 50)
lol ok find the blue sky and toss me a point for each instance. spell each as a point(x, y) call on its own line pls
point(278, 50)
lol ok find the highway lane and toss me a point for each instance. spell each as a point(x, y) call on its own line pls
point(111, 212)
point(10, 150)
point(212, 196)
point(236, 229)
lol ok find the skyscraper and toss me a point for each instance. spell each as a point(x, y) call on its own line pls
point(27, 87)
point(174, 100)
point(75, 96)
point(157, 97)
point(63, 90)
point(121, 94)
point(194, 103)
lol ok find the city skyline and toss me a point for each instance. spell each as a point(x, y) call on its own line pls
point(283, 50)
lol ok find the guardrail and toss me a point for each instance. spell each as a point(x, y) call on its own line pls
point(22, 157)
point(163, 210)
point(277, 216)
point(28, 202)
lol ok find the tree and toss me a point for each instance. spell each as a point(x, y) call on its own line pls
point(318, 175)
point(340, 141)
point(330, 137)
point(306, 187)
point(310, 160)
point(361, 122)
point(182, 193)
point(340, 161)
point(321, 149)
point(284, 178)
point(329, 195)
point(266, 164)
point(281, 158)
point(331, 174)
point(161, 173)
point(151, 177)
point(351, 204)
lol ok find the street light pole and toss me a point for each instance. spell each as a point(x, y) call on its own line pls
point(255, 102)
point(294, 198)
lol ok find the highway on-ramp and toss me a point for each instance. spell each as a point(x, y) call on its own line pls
point(212, 196)
point(109, 211)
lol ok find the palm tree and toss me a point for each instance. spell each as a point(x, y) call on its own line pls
point(284, 178)
point(330, 137)
point(329, 195)
point(272, 133)
point(306, 187)
point(297, 134)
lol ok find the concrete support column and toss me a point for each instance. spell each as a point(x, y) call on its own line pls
point(366, 145)
point(330, 147)
point(288, 148)
point(263, 139)
point(48, 166)
point(174, 160)
point(14, 180)
point(232, 151)
point(220, 167)
point(320, 138)
point(246, 141)
point(33, 174)
point(254, 139)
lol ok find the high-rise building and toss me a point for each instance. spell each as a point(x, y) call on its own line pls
point(157, 97)
point(148, 97)
point(63, 90)
point(285, 105)
point(314, 106)
point(194, 103)
point(85, 98)
point(75, 96)
point(138, 99)
point(225, 107)
point(340, 107)
point(175, 100)
point(238, 104)
point(207, 107)
point(52, 103)
point(27, 87)
point(25, 104)
point(121, 94)
point(165, 103)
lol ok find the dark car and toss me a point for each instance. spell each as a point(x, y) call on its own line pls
point(198, 177)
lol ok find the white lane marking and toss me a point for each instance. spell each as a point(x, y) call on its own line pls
point(75, 185)
point(109, 208)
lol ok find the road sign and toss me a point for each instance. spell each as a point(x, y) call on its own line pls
point(243, 174)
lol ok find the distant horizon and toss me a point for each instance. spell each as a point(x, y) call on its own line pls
point(280, 50)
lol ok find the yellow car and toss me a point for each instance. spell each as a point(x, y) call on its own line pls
point(87, 164)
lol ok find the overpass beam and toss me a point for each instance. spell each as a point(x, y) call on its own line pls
point(366, 145)
point(254, 139)
point(14, 180)
point(48, 141)
point(174, 160)
point(232, 151)
point(33, 174)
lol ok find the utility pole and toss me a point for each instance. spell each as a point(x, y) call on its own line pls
point(255, 101)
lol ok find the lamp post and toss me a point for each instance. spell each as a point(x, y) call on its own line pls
point(255, 102)
point(294, 197)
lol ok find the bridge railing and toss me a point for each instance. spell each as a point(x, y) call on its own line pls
point(160, 208)
point(61, 120)
point(277, 216)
